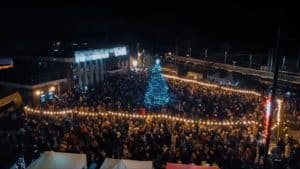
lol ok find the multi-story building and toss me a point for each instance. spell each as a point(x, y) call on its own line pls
point(89, 66)
point(10, 99)
point(42, 78)
point(6, 63)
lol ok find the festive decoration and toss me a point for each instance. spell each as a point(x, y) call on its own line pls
point(279, 103)
point(279, 109)
point(157, 91)
point(211, 85)
point(139, 116)
point(268, 113)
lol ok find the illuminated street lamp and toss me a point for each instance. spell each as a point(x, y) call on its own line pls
point(38, 92)
point(134, 63)
point(139, 54)
point(52, 89)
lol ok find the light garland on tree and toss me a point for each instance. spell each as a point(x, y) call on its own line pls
point(212, 85)
point(157, 91)
point(139, 116)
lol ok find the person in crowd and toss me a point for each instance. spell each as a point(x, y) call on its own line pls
point(143, 140)
point(155, 139)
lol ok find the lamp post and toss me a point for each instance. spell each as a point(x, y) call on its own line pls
point(225, 57)
point(134, 64)
point(250, 60)
point(38, 94)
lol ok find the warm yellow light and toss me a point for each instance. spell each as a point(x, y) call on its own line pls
point(134, 63)
point(279, 111)
point(52, 89)
point(38, 92)
point(161, 116)
point(212, 85)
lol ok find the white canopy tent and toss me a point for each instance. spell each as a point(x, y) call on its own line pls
point(57, 160)
point(125, 164)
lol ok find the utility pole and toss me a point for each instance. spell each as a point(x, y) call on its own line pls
point(176, 47)
point(283, 62)
point(250, 60)
point(270, 59)
point(272, 97)
point(225, 57)
point(298, 62)
point(137, 48)
point(138, 54)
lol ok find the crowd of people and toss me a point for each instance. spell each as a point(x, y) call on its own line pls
point(203, 102)
point(126, 92)
point(150, 139)
point(117, 92)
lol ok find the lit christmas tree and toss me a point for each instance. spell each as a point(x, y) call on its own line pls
point(157, 91)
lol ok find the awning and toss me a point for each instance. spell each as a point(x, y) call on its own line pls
point(187, 166)
point(57, 160)
point(110, 163)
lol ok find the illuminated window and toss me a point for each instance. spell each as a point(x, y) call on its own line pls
point(89, 55)
point(43, 98)
point(50, 95)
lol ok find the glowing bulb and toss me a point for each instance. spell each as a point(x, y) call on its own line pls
point(51, 89)
point(157, 61)
point(38, 92)
point(134, 63)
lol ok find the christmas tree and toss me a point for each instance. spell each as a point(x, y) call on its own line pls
point(157, 91)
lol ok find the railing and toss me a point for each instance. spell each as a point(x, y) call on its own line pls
point(284, 76)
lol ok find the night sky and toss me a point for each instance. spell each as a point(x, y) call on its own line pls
point(241, 27)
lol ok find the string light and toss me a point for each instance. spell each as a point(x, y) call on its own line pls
point(212, 85)
point(279, 102)
point(273, 127)
point(124, 114)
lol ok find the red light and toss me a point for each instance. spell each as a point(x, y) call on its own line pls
point(268, 109)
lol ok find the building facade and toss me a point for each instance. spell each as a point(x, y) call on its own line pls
point(90, 66)
point(40, 79)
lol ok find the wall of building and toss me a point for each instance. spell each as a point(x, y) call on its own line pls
point(87, 75)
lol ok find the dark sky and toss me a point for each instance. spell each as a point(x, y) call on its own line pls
point(242, 26)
